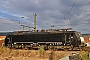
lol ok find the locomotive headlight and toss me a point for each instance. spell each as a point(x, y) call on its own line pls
point(15, 43)
point(12, 44)
point(22, 44)
point(71, 36)
point(31, 44)
point(64, 44)
point(50, 44)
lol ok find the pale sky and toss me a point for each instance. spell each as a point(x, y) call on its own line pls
point(60, 13)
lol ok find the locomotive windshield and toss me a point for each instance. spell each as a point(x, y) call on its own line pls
point(79, 34)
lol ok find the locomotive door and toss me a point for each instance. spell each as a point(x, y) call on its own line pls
point(68, 38)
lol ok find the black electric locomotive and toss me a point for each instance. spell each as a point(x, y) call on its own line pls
point(49, 39)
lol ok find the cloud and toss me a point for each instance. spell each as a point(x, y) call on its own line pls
point(8, 25)
point(49, 12)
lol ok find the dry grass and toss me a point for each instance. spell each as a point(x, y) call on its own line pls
point(33, 54)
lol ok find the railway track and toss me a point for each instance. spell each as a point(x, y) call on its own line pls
point(49, 49)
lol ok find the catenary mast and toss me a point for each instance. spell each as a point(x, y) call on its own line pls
point(35, 21)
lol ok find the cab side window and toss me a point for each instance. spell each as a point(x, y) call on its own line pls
point(71, 34)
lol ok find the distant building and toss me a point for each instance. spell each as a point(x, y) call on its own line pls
point(2, 38)
point(87, 39)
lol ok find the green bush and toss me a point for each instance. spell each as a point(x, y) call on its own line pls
point(41, 50)
point(1, 48)
point(85, 56)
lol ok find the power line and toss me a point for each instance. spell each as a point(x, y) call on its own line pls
point(71, 24)
point(70, 9)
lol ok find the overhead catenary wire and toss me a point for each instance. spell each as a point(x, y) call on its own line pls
point(70, 9)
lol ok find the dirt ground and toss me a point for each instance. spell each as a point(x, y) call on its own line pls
point(17, 54)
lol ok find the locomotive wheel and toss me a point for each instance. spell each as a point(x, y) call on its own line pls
point(26, 48)
point(30, 48)
point(23, 47)
point(65, 49)
point(49, 47)
point(9, 46)
point(55, 48)
point(71, 48)
point(81, 48)
point(45, 47)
